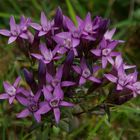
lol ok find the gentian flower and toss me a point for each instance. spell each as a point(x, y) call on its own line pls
point(32, 104)
point(85, 73)
point(122, 80)
point(11, 91)
point(105, 52)
point(53, 81)
point(134, 85)
point(45, 27)
point(16, 30)
point(53, 102)
point(66, 42)
point(76, 31)
point(46, 54)
point(119, 61)
point(89, 29)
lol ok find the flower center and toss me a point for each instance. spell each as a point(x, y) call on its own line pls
point(67, 43)
point(88, 28)
point(55, 82)
point(33, 106)
point(122, 81)
point(48, 55)
point(86, 73)
point(11, 91)
point(14, 32)
point(106, 51)
point(76, 34)
point(54, 103)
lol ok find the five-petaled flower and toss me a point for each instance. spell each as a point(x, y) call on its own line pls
point(54, 100)
point(32, 104)
point(11, 91)
point(105, 51)
point(85, 73)
point(53, 81)
point(16, 30)
point(45, 27)
point(47, 55)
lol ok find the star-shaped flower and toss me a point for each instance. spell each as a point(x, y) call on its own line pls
point(53, 102)
point(105, 51)
point(47, 55)
point(45, 27)
point(32, 104)
point(85, 73)
point(53, 81)
point(16, 30)
point(11, 91)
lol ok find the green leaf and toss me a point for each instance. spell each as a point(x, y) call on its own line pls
point(71, 11)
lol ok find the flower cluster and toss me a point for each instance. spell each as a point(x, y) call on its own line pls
point(68, 56)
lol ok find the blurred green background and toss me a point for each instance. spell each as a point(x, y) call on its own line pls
point(125, 119)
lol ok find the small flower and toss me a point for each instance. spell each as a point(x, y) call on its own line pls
point(53, 81)
point(16, 30)
point(76, 31)
point(32, 104)
point(11, 91)
point(119, 61)
point(105, 51)
point(85, 73)
point(45, 27)
point(66, 42)
point(53, 102)
point(134, 85)
point(122, 80)
point(47, 55)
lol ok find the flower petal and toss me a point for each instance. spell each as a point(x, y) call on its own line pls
point(93, 79)
point(35, 26)
point(67, 83)
point(96, 52)
point(111, 77)
point(22, 100)
point(4, 96)
point(58, 92)
point(12, 39)
point(57, 114)
point(43, 19)
point(13, 25)
point(5, 32)
point(37, 117)
point(82, 80)
point(64, 103)
point(23, 114)
point(11, 99)
point(47, 94)
point(44, 109)
point(24, 36)
point(16, 83)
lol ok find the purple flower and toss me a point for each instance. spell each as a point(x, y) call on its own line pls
point(11, 91)
point(53, 81)
point(45, 27)
point(89, 29)
point(32, 104)
point(122, 80)
point(119, 61)
point(66, 42)
point(47, 55)
point(16, 30)
point(134, 85)
point(76, 31)
point(53, 102)
point(85, 73)
point(105, 51)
